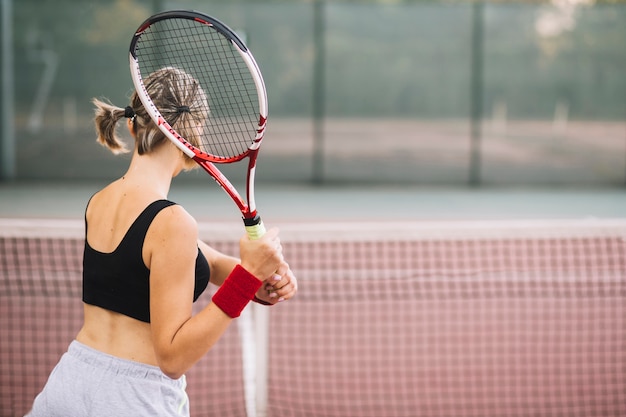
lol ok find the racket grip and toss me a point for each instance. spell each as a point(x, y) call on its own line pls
point(254, 227)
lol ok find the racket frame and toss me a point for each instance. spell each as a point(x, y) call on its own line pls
point(252, 220)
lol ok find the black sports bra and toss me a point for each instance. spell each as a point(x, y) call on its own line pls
point(120, 281)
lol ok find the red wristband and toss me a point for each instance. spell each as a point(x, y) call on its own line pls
point(236, 292)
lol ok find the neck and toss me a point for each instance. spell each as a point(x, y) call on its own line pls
point(153, 171)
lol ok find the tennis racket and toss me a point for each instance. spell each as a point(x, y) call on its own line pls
point(235, 104)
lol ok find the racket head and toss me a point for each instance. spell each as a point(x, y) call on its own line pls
point(229, 101)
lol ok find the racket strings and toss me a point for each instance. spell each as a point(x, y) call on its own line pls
point(229, 115)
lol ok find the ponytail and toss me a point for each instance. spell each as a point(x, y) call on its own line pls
point(107, 116)
point(178, 97)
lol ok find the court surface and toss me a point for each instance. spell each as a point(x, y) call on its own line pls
point(290, 203)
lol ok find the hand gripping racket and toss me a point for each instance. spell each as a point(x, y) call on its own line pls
point(235, 101)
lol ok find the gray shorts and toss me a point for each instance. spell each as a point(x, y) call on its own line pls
point(89, 383)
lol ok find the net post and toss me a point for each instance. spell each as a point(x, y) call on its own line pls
point(245, 326)
point(261, 327)
point(253, 326)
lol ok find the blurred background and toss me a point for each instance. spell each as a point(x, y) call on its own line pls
point(435, 93)
point(448, 177)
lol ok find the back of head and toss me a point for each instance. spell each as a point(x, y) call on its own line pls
point(178, 97)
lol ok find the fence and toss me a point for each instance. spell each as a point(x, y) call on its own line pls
point(421, 93)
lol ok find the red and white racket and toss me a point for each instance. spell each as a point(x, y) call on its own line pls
point(236, 100)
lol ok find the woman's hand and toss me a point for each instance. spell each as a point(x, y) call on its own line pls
point(262, 257)
point(281, 286)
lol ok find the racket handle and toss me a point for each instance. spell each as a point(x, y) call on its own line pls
point(254, 227)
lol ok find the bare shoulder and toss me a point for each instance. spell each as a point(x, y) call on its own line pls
point(173, 227)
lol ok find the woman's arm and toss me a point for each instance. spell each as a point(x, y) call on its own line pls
point(277, 288)
point(179, 338)
point(220, 264)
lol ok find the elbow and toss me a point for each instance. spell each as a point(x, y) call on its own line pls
point(172, 368)
point(173, 375)
point(172, 372)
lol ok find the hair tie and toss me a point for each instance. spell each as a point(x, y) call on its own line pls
point(183, 109)
point(129, 113)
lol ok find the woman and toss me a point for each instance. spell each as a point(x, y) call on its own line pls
point(143, 268)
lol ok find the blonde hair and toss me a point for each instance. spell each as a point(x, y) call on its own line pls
point(170, 89)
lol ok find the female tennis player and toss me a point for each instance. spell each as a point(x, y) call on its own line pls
point(143, 268)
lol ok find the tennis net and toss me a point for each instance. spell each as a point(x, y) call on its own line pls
point(415, 319)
